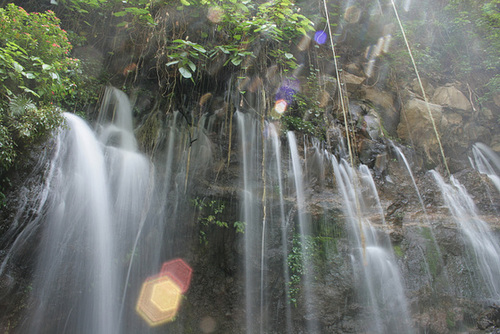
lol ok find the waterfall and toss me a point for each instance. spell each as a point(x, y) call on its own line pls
point(250, 141)
point(77, 243)
point(115, 117)
point(283, 223)
point(304, 231)
point(486, 161)
point(90, 212)
point(483, 245)
point(378, 280)
point(106, 217)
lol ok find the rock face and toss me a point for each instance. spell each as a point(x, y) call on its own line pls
point(352, 82)
point(384, 104)
point(418, 123)
point(451, 97)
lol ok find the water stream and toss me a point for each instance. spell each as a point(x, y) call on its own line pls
point(483, 246)
point(378, 280)
point(106, 217)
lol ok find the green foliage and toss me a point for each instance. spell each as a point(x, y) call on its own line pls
point(462, 40)
point(307, 105)
point(34, 56)
point(36, 72)
point(210, 215)
point(296, 259)
point(129, 11)
point(293, 123)
point(182, 52)
point(232, 29)
point(22, 126)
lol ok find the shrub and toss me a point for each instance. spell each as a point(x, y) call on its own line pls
point(36, 73)
point(34, 56)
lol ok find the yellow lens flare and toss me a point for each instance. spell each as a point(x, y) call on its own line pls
point(159, 300)
point(160, 295)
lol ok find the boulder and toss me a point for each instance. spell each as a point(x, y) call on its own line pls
point(450, 97)
point(371, 125)
point(384, 102)
point(416, 126)
point(415, 87)
point(352, 82)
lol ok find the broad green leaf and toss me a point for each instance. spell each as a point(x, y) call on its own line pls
point(288, 55)
point(198, 47)
point(170, 63)
point(27, 90)
point(223, 49)
point(185, 3)
point(120, 14)
point(29, 75)
point(137, 11)
point(191, 65)
point(17, 67)
point(236, 61)
point(185, 72)
point(46, 67)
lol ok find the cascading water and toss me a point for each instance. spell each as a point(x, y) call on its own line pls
point(378, 280)
point(94, 204)
point(250, 141)
point(304, 231)
point(483, 245)
point(77, 244)
point(276, 149)
point(486, 161)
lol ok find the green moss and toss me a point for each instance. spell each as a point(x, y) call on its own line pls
point(450, 320)
point(432, 256)
point(398, 251)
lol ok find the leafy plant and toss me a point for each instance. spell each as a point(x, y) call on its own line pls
point(35, 72)
point(299, 253)
point(34, 56)
point(210, 215)
point(182, 53)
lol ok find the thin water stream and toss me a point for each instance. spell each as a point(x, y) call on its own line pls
point(378, 281)
point(484, 247)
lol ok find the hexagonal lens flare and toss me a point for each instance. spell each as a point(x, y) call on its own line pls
point(179, 271)
point(160, 296)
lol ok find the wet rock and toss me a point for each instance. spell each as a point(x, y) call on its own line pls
point(371, 125)
point(396, 211)
point(381, 161)
point(489, 318)
point(495, 143)
point(369, 150)
point(449, 96)
point(486, 115)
